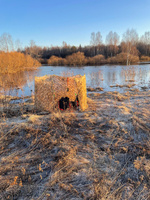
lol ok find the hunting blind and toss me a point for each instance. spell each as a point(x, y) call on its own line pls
point(53, 92)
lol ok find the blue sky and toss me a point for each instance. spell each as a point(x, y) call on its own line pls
point(50, 22)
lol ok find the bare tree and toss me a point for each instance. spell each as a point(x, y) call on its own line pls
point(130, 39)
point(145, 40)
point(6, 42)
point(96, 39)
point(92, 41)
point(112, 40)
point(18, 46)
point(33, 49)
point(64, 44)
point(146, 37)
point(109, 38)
point(32, 43)
point(96, 42)
point(116, 40)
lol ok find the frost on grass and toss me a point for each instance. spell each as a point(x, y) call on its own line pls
point(102, 153)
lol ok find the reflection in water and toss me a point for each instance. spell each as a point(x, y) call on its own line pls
point(96, 78)
point(111, 77)
point(135, 74)
point(100, 76)
point(128, 74)
point(12, 84)
point(114, 77)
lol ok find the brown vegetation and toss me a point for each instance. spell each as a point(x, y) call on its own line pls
point(13, 62)
point(122, 59)
point(96, 60)
point(57, 61)
point(145, 58)
point(76, 59)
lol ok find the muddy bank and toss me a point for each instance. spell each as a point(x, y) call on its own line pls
point(102, 153)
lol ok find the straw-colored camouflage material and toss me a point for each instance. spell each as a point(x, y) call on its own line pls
point(50, 89)
point(82, 94)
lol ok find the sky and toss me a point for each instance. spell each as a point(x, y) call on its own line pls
point(50, 22)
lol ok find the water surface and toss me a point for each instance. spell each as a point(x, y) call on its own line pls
point(104, 76)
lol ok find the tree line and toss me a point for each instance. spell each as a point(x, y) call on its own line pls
point(13, 61)
point(130, 49)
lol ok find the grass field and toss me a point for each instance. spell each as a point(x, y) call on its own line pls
point(103, 153)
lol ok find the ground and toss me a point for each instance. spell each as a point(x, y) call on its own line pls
point(102, 153)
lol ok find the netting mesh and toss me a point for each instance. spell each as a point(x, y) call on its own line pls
point(50, 89)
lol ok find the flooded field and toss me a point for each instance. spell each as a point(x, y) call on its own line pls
point(101, 153)
point(109, 78)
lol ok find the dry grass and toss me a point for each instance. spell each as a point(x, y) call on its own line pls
point(102, 153)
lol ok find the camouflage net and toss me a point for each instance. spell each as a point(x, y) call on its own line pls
point(50, 89)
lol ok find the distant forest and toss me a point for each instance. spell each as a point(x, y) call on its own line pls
point(131, 49)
